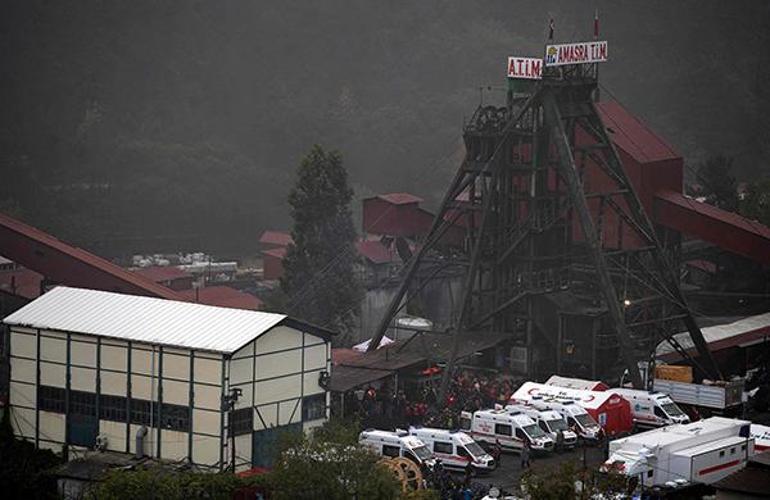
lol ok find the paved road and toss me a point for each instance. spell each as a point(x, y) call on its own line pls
point(507, 475)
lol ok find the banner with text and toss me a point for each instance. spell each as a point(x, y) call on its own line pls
point(575, 53)
point(528, 68)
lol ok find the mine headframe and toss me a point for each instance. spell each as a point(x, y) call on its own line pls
point(547, 210)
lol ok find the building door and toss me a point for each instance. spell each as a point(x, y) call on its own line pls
point(265, 443)
point(82, 430)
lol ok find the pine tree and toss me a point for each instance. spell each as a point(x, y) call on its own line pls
point(320, 281)
point(718, 182)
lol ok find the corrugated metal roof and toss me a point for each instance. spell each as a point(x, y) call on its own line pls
point(400, 198)
point(278, 253)
point(630, 134)
point(145, 319)
point(375, 251)
point(278, 238)
point(750, 329)
point(18, 236)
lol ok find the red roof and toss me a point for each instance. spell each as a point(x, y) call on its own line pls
point(159, 274)
point(278, 238)
point(715, 213)
point(22, 282)
point(223, 296)
point(400, 198)
point(279, 252)
point(18, 241)
point(342, 355)
point(374, 251)
point(728, 230)
point(631, 135)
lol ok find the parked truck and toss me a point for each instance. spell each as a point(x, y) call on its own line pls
point(699, 452)
point(721, 398)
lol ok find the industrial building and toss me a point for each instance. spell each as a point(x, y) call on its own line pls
point(169, 379)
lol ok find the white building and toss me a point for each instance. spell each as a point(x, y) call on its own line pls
point(90, 364)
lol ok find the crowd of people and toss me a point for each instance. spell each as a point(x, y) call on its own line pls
point(416, 403)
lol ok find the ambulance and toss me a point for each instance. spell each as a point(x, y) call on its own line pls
point(550, 421)
point(455, 449)
point(652, 409)
point(578, 419)
point(511, 430)
point(397, 444)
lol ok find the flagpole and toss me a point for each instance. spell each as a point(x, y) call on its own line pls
point(597, 95)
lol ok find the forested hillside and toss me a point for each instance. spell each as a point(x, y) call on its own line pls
point(142, 125)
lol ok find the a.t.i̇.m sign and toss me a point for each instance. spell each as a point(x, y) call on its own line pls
point(576, 53)
point(527, 68)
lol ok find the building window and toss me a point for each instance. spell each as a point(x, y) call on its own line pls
point(141, 412)
point(242, 421)
point(175, 417)
point(440, 447)
point(649, 473)
point(50, 398)
point(722, 453)
point(112, 408)
point(314, 407)
point(83, 403)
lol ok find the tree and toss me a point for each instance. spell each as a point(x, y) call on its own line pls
point(156, 483)
point(756, 203)
point(320, 281)
point(331, 464)
point(719, 185)
point(23, 469)
point(572, 481)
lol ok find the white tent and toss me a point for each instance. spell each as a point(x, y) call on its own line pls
point(363, 346)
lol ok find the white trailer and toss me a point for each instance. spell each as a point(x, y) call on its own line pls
point(721, 397)
point(699, 452)
point(651, 409)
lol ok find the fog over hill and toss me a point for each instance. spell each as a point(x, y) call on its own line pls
point(141, 125)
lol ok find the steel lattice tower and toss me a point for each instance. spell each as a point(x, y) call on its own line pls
point(552, 222)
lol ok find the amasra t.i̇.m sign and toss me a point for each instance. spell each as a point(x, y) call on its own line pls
point(528, 68)
point(576, 53)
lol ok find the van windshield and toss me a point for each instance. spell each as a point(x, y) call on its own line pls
point(672, 409)
point(474, 449)
point(586, 420)
point(557, 424)
point(533, 431)
point(422, 452)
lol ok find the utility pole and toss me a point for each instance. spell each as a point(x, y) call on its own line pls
point(229, 404)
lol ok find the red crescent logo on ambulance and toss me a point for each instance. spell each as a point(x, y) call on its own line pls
point(588, 398)
point(532, 391)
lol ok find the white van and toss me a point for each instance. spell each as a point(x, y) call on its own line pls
point(652, 409)
point(456, 449)
point(550, 421)
point(578, 419)
point(510, 430)
point(397, 444)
